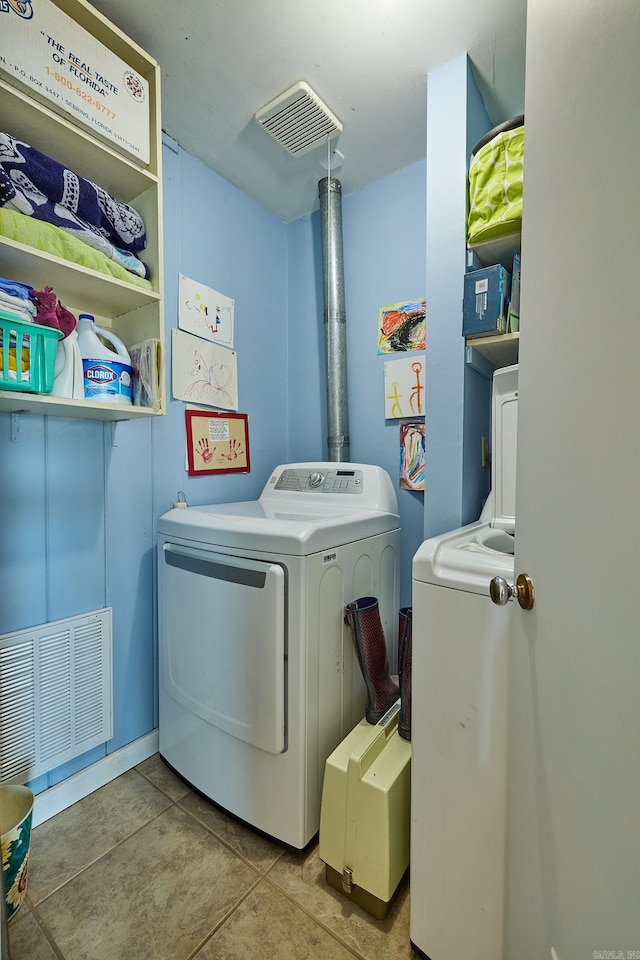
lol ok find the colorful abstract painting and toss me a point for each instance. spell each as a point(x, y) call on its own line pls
point(402, 326)
point(404, 388)
point(412, 456)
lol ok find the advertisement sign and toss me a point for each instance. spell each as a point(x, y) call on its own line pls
point(44, 50)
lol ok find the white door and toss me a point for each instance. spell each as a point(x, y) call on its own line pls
point(573, 881)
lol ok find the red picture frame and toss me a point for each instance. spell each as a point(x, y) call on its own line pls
point(217, 442)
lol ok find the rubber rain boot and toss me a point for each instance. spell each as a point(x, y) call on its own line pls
point(363, 616)
point(404, 671)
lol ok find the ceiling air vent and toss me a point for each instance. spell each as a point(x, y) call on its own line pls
point(298, 120)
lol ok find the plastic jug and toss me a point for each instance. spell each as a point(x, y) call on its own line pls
point(68, 373)
point(108, 374)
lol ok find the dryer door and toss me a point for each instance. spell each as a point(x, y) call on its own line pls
point(222, 641)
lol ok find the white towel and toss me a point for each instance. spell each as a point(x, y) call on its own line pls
point(25, 308)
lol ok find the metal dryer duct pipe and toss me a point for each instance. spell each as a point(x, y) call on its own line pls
point(335, 318)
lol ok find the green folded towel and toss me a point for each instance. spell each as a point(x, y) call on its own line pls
point(44, 236)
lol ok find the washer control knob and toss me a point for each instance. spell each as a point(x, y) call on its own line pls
point(315, 479)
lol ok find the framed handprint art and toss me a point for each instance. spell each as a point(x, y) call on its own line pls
point(217, 442)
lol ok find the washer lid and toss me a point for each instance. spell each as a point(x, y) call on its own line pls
point(284, 527)
point(466, 558)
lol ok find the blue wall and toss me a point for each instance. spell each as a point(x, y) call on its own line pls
point(218, 236)
point(384, 263)
point(476, 479)
point(79, 500)
point(455, 486)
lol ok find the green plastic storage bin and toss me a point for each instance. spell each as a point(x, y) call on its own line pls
point(27, 354)
point(495, 183)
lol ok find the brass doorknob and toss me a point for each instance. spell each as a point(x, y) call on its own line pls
point(501, 592)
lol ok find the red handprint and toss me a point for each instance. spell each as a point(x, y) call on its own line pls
point(202, 448)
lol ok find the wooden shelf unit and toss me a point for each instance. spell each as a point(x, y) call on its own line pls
point(133, 313)
point(499, 349)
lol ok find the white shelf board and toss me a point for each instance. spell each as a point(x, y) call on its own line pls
point(498, 250)
point(501, 350)
point(97, 293)
point(34, 123)
point(44, 405)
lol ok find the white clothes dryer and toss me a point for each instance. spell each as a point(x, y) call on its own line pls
point(459, 717)
point(258, 677)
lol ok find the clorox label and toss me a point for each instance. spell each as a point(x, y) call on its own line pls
point(100, 374)
point(107, 380)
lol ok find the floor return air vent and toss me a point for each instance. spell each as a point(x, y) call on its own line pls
point(55, 694)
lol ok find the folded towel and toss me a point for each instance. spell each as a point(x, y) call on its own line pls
point(12, 361)
point(16, 312)
point(27, 201)
point(15, 289)
point(35, 172)
point(43, 236)
point(17, 304)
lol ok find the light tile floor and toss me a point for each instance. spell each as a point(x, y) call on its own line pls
point(145, 868)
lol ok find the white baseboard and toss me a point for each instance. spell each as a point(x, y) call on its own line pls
point(81, 784)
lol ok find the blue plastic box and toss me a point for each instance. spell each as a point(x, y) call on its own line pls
point(486, 301)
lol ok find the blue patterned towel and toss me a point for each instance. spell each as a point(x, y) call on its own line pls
point(37, 174)
point(30, 204)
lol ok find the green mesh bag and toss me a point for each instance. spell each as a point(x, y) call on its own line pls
point(495, 183)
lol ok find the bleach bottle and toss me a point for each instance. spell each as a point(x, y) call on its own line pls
point(108, 374)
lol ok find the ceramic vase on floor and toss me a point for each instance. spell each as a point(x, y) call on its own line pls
point(16, 811)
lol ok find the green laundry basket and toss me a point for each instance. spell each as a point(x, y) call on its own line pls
point(495, 182)
point(27, 354)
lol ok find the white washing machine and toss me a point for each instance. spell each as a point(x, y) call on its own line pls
point(258, 677)
point(459, 717)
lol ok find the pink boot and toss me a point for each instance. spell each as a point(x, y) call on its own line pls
point(363, 616)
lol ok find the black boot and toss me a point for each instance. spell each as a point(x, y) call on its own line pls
point(363, 616)
point(404, 671)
